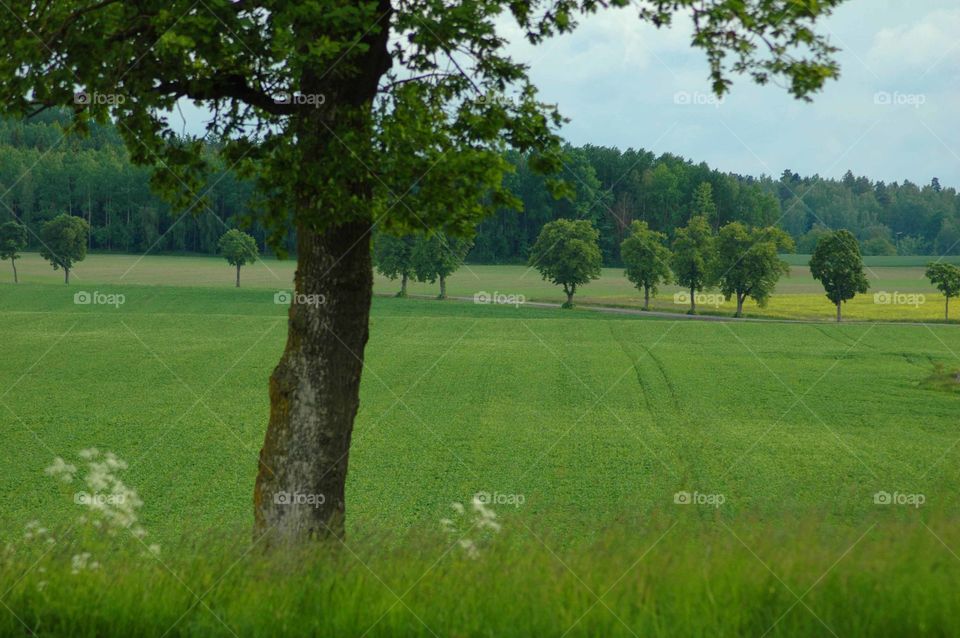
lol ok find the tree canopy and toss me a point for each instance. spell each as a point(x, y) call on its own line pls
point(64, 242)
point(646, 259)
point(13, 239)
point(836, 263)
point(393, 257)
point(746, 262)
point(692, 257)
point(437, 256)
point(567, 254)
point(946, 277)
point(239, 249)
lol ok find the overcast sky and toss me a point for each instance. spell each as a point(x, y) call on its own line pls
point(625, 84)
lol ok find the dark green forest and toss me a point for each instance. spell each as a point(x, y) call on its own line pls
point(44, 173)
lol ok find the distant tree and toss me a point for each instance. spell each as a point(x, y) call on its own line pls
point(238, 248)
point(64, 242)
point(704, 206)
point(946, 277)
point(13, 239)
point(911, 245)
point(836, 263)
point(393, 257)
point(646, 258)
point(807, 243)
point(747, 262)
point(879, 246)
point(437, 256)
point(947, 241)
point(567, 254)
point(692, 255)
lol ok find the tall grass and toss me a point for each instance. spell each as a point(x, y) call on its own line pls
point(692, 576)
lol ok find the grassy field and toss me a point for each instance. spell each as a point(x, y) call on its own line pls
point(798, 296)
point(586, 429)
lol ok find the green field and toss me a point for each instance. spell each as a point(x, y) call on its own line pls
point(594, 421)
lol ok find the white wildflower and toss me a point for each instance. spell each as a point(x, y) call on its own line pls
point(82, 561)
point(458, 507)
point(470, 547)
point(114, 463)
point(62, 469)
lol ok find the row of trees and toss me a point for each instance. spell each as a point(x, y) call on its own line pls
point(741, 261)
point(42, 174)
point(422, 257)
point(63, 242)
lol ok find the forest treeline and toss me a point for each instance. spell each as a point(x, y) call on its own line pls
point(44, 173)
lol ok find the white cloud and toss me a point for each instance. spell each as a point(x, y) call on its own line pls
point(923, 47)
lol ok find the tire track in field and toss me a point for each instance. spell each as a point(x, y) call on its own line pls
point(843, 341)
point(645, 385)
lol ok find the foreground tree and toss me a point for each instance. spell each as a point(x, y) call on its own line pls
point(567, 253)
point(692, 256)
point(238, 248)
point(13, 239)
point(646, 259)
point(437, 256)
point(63, 242)
point(393, 257)
point(836, 263)
point(345, 114)
point(747, 263)
point(946, 277)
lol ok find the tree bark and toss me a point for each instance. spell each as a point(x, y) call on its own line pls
point(838, 311)
point(314, 390)
point(238, 275)
point(646, 297)
point(946, 307)
point(13, 262)
point(740, 300)
point(403, 286)
point(693, 301)
point(443, 287)
point(569, 290)
point(66, 275)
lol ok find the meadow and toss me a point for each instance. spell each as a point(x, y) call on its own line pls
point(651, 476)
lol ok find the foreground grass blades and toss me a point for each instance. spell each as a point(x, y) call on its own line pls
point(694, 576)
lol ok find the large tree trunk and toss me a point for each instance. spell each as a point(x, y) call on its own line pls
point(238, 275)
point(946, 307)
point(838, 312)
point(443, 287)
point(13, 262)
point(646, 297)
point(66, 275)
point(693, 301)
point(314, 390)
point(403, 286)
point(740, 299)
